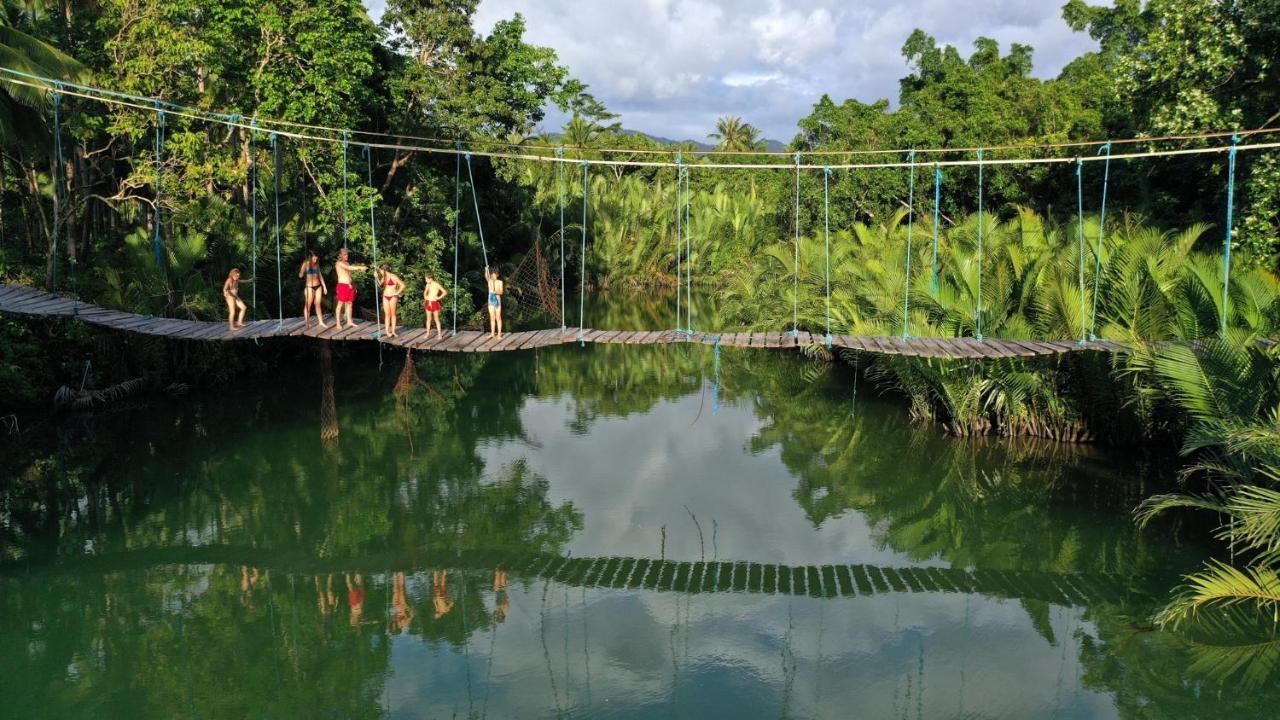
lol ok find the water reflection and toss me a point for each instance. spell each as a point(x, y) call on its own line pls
point(573, 532)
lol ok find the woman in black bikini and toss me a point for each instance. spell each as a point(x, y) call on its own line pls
point(392, 286)
point(313, 289)
point(231, 293)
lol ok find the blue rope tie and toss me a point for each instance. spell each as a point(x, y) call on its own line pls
point(253, 213)
point(688, 247)
point(346, 137)
point(560, 184)
point(679, 231)
point(1102, 225)
point(373, 233)
point(826, 219)
point(582, 283)
point(275, 181)
point(981, 230)
point(937, 207)
point(457, 219)
point(1226, 241)
point(157, 240)
point(57, 186)
point(911, 214)
point(1080, 241)
point(795, 273)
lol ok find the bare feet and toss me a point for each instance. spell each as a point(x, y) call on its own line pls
point(350, 324)
point(323, 325)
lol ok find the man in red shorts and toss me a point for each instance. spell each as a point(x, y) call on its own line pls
point(346, 294)
point(432, 294)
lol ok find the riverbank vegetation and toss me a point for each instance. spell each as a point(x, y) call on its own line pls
point(126, 221)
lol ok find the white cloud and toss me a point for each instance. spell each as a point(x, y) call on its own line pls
point(672, 67)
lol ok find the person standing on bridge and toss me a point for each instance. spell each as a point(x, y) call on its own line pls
point(432, 294)
point(231, 293)
point(496, 289)
point(392, 287)
point(313, 289)
point(346, 295)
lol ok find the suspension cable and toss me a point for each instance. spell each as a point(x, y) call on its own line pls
point(1084, 333)
point(911, 215)
point(457, 219)
point(1102, 226)
point(826, 219)
point(1226, 241)
point(981, 230)
point(560, 184)
point(373, 234)
point(937, 204)
point(582, 277)
point(275, 182)
point(795, 267)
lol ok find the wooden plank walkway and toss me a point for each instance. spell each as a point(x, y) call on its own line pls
point(634, 573)
point(22, 300)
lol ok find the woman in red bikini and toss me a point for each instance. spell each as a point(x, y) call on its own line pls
point(392, 287)
point(432, 294)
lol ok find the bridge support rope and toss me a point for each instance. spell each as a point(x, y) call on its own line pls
point(679, 232)
point(1084, 333)
point(937, 212)
point(688, 254)
point(911, 216)
point(1226, 241)
point(795, 268)
point(1098, 247)
point(582, 277)
point(826, 224)
point(58, 209)
point(157, 239)
point(457, 219)
point(981, 230)
point(275, 184)
point(560, 184)
point(346, 225)
point(253, 215)
point(373, 235)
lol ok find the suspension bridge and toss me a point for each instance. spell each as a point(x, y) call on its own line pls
point(632, 573)
point(24, 301)
point(20, 300)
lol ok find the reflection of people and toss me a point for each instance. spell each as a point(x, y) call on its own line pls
point(392, 286)
point(440, 593)
point(496, 288)
point(401, 612)
point(326, 599)
point(248, 583)
point(313, 289)
point(501, 602)
point(355, 597)
point(346, 294)
point(432, 294)
point(231, 293)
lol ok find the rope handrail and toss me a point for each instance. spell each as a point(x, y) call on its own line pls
point(335, 136)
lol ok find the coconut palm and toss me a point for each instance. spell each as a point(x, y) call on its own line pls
point(22, 107)
point(734, 134)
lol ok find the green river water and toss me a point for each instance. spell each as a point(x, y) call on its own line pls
point(599, 532)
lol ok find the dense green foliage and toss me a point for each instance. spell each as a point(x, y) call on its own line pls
point(86, 222)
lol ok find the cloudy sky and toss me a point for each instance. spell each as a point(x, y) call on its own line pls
point(671, 67)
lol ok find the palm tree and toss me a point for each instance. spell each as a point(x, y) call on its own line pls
point(21, 106)
point(733, 134)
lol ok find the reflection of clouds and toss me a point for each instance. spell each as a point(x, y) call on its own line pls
point(627, 490)
point(722, 655)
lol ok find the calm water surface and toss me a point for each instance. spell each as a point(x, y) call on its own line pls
point(610, 532)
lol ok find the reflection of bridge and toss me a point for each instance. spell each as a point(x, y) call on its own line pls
point(21, 300)
point(834, 580)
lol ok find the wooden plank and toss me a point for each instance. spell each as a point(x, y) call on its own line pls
point(481, 338)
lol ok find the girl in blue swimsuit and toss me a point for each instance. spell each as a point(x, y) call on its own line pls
point(496, 289)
